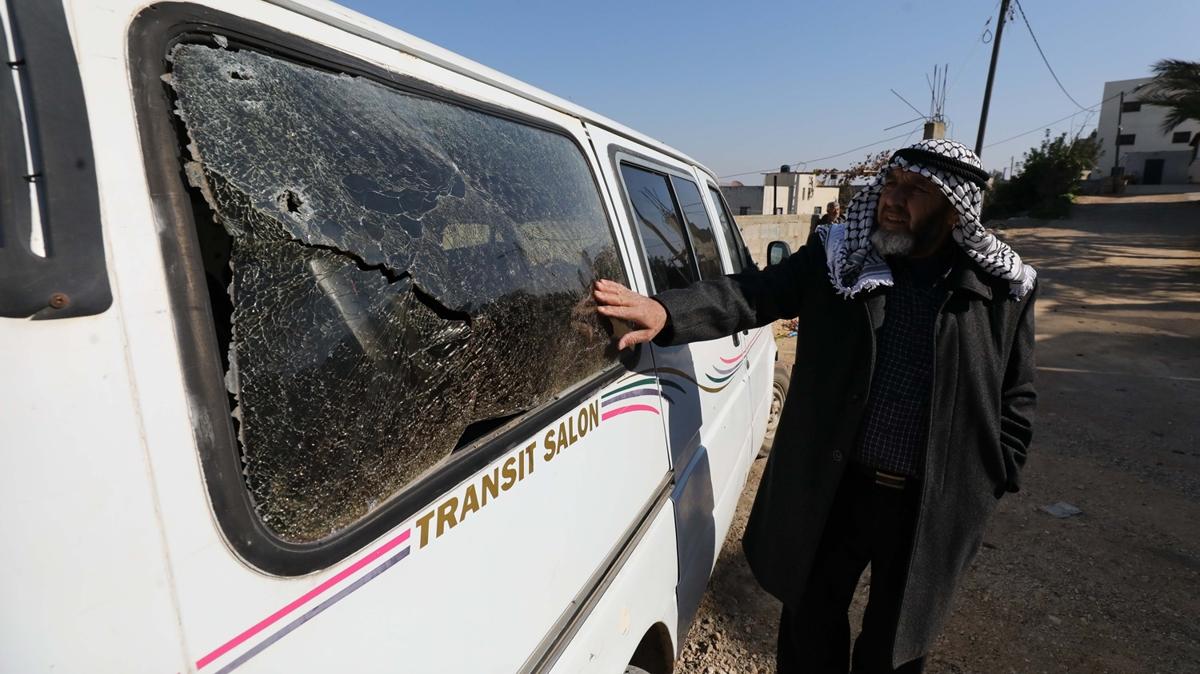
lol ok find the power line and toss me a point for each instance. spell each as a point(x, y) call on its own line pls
point(1039, 127)
point(832, 156)
point(856, 149)
point(974, 49)
point(1044, 59)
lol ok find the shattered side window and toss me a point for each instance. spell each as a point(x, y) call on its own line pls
point(398, 273)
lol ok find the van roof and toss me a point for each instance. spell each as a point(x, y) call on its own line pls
point(371, 29)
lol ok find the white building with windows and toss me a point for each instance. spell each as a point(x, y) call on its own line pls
point(789, 193)
point(1146, 153)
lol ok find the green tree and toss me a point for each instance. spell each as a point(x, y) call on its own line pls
point(1050, 176)
point(1176, 87)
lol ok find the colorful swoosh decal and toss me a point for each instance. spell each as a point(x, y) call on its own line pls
point(745, 349)
point(307, 597)
point(636, 385)
point(687, 377)
point(720, 378)
point(626, 410)
point(728, 370)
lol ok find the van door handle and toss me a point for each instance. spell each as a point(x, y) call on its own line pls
point(736, 341)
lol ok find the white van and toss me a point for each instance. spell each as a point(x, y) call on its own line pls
point(300, 367)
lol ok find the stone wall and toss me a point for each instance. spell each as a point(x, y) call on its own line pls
point(759, 230)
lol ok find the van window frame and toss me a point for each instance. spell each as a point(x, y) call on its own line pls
point(743, 255)
point(618, 155)
point(152, 34)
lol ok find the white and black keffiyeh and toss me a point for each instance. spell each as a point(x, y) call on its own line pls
point(855, 266)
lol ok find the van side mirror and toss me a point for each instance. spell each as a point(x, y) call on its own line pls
point(777, 251)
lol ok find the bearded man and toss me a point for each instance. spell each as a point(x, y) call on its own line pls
point(909, 414)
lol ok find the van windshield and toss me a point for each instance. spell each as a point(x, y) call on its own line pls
point(388, 271)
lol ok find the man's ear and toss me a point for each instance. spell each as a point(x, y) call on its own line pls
point(952, 217)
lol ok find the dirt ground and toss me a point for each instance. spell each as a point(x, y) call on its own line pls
point(1117, 587)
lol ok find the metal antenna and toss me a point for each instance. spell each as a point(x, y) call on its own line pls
point(914, 108)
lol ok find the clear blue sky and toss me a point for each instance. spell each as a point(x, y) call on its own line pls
point(750, 86)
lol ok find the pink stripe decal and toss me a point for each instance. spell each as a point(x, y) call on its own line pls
point(623, 410)
point(731, 361)
point(304, 598)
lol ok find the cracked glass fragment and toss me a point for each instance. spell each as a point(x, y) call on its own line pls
point(399, 270)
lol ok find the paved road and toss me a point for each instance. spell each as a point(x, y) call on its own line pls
point(1117, 588)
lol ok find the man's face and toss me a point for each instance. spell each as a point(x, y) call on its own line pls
point(835, 209)
point(913, 217)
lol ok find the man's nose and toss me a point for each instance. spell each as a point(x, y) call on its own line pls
point(892, 197)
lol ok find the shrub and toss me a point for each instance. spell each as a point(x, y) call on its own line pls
point(1051, 174)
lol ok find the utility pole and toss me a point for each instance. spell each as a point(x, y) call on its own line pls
point(1116, 170)
point(1010, 166)
point(987, 92)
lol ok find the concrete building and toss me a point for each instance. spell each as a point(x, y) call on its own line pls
point(791, 193)
point(1146, 154)
point(743, 199)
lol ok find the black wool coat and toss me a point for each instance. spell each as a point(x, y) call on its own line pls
point(981, 418)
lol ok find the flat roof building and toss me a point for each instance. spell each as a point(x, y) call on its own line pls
point(1133, 142)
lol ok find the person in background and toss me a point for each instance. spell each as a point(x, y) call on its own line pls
point(910, 410)
point(833, 211)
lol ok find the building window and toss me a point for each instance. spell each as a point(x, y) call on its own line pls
point(1131, 106)
point(816, 210)
point(379, 287)
point(743, 210)
point(778, 211)
point(1181, 136)
point(1126, 139)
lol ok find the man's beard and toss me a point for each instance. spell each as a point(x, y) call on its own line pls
point(888, 243)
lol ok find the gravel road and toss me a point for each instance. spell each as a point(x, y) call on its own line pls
point(1117, 587)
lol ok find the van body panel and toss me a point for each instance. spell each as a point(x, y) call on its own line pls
point(640, 596)
point(580, 502)
point(762, 353)
point(84, 543)
point(164, 589)
point(711, 436)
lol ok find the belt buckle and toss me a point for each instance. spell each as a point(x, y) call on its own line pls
point(889, 480)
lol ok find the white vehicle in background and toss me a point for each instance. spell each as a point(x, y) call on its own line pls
point(300, 370)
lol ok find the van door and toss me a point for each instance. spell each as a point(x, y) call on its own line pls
point(708, 414)
point(761, 356)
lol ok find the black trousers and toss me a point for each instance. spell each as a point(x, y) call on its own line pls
point(869, 523)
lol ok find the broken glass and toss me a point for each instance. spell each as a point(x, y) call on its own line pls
point(399, 268)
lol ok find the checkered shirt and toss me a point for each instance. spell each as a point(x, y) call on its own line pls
point(895, 425)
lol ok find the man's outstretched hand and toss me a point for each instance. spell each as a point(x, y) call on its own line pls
point(618, 302)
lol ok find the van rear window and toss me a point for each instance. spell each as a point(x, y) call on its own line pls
point(393, 275)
